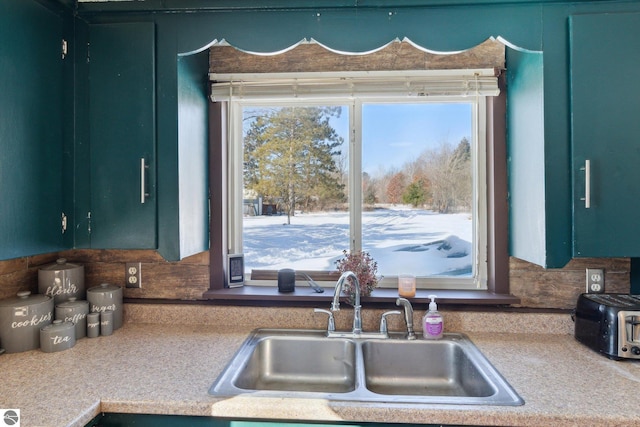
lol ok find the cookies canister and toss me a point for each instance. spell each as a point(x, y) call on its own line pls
point(106, 297)
point(57, 336)
point(62, 280)
point(21, 318)
point(76, 312)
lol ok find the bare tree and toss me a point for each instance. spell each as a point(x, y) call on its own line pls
point(395, 188)
point(449, 174)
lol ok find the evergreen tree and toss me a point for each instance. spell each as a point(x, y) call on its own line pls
point(414, 194)
point(289, 157)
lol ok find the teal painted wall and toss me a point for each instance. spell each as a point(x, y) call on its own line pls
point(544, 233)
point(255, 25)
point(349, 29)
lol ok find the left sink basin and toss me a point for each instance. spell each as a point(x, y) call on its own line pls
point(300, 363)
point(285, 363)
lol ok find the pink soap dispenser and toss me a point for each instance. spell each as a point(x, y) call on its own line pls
point(432, 322)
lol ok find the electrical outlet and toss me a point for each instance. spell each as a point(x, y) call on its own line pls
point(595, 280)
point(133, 274)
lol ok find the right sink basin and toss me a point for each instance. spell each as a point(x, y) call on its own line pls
point(426, 368)
point(303, 363)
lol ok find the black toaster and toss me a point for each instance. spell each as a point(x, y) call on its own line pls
point(609, 324)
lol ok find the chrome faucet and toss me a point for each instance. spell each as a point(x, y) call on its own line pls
point(335, 305)
point(408, 316)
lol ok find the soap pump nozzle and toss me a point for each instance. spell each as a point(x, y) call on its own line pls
point(432, 305)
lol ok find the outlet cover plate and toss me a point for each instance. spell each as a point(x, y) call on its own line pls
point(595, 280)
point(133, 274)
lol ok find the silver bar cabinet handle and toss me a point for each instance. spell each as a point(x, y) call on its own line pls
point(587, 184)
point(143, 184)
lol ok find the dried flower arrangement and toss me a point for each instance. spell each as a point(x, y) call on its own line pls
point(365, 269)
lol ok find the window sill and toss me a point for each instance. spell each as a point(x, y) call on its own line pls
point(305, 296)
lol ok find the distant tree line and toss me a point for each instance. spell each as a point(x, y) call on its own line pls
point(439, 179)
point(292, 158)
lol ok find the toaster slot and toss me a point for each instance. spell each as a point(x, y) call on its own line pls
point(629, 334)
point(632, 324)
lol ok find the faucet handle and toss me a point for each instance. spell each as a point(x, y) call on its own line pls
point(383, 320)
point(331, 325)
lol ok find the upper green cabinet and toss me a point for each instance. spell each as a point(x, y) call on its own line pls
point(122, 129)
point(605, 103)
point(33, 114)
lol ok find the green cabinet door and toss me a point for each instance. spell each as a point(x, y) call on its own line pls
point(122, 135)
point(32, 122)
point(605, 102)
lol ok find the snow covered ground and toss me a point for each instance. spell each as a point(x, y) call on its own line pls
point(400, 239)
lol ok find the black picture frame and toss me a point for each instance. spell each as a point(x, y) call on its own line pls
point(235, 271)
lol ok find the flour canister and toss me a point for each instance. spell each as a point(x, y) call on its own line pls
point(57, 336)
point(21, 318)
point(62, 280)
point(76, 312)
point(106, 297)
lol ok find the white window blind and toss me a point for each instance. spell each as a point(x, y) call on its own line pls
point(362, 84)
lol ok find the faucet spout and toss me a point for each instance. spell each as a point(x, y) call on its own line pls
point(335, 304)
point(408, 316)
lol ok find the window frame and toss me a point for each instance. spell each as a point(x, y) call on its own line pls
point(497, 291)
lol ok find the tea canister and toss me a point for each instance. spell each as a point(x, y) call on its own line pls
point(57, 336)
point(76, 312)
point(62, 280)
point(106, 297)
point(21, 318)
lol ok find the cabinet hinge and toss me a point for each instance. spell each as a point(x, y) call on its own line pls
point(64, 223)
point(89, 222)
point(65, 48)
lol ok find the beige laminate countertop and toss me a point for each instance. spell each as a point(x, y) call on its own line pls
point(165, 358)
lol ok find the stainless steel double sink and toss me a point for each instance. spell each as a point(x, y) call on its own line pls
point(305, 363)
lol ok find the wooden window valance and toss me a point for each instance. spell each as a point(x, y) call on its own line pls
point(395, 56)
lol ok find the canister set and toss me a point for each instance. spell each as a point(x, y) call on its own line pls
point(58, 315)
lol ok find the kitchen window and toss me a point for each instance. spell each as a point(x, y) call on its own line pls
point(388, 163)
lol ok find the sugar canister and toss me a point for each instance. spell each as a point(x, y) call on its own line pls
point(106, 297)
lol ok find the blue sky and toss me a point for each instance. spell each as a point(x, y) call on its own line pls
point(396, 133)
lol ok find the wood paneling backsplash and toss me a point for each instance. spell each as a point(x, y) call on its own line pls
point(183, 280)
point(189, 279)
